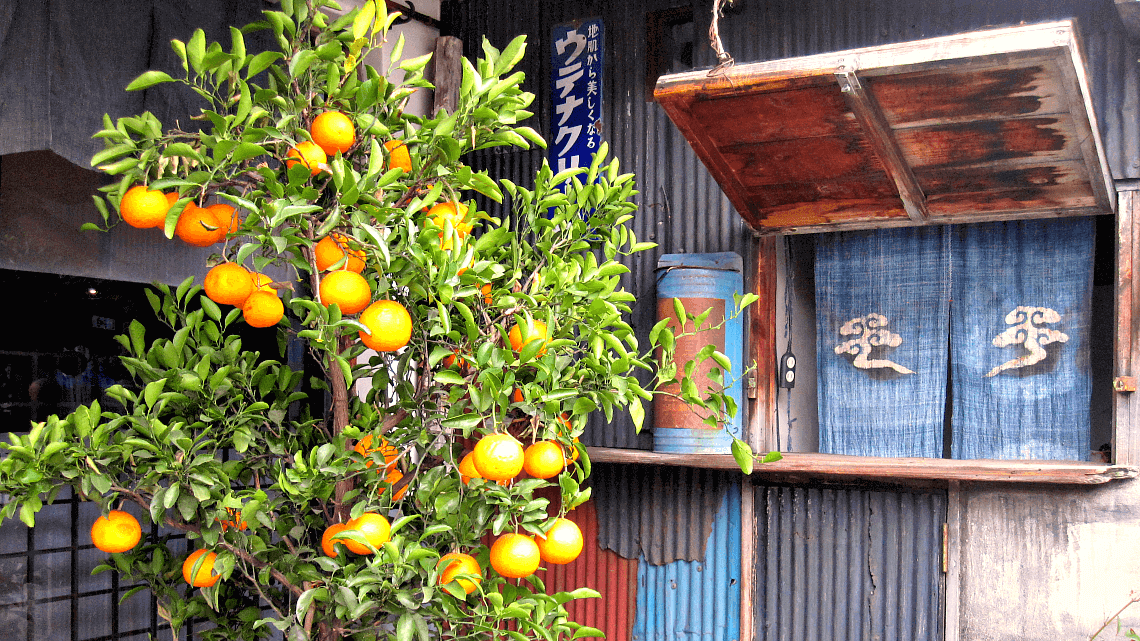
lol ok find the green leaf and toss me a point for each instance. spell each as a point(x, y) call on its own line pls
point(363, 20)
point(637, 413)
point(301, 61)
point(406, 626)
point(742, 452)
point(463, 422)
point(262, 61)
point(196, 49)
point(153, 389)
point(586, 631)
point(772, 457)
point(246, 150)
point(149, 79)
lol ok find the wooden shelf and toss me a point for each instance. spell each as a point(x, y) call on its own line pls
point(833, 466)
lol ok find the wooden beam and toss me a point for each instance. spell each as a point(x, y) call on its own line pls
point(760, 431)
point(448, 74)
point(870, 115)
point(1126, 359)
point(747, 558)
point(801, 467)
point(952, 542)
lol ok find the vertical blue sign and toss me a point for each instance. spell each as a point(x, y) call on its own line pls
point(576, 80)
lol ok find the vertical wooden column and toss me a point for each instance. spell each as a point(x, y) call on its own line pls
point(448, 74)
point(761, 427)
point(1126, 366)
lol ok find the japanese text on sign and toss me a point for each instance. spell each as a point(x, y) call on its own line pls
point(576, 80)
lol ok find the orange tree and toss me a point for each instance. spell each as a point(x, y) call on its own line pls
point(357, 523)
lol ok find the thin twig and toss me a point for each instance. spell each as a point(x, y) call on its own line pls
point(1133, 598)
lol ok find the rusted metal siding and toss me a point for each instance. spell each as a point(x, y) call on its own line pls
point(848, 563)
point(603, 570)
point(696, 599)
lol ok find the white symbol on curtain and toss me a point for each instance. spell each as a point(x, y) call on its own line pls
point(870, 331)
point(1025, 331)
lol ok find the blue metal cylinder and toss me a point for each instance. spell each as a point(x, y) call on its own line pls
point(701, 281)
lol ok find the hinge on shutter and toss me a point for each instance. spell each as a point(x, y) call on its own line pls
point(1124, 383)
point(945, 548)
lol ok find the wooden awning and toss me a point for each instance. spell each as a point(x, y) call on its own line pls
point(987, 125)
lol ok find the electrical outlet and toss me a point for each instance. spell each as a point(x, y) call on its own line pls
point(788, 370)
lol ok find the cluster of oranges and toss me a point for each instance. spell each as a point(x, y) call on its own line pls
point(231, 284)
point(145, 208)
point(119, 531)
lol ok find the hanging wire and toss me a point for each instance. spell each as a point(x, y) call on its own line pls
point(723, 60)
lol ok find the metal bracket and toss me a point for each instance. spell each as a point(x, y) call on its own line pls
point(1124, 384)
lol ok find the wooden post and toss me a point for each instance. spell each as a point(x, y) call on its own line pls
point(448, 74)
point(1125, 406)
point(761, 429)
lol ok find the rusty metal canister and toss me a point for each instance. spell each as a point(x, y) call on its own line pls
point(702, 282)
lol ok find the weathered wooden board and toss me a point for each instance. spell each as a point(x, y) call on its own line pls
point(989, 125)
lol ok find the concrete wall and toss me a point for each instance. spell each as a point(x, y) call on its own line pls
point(1047, 563)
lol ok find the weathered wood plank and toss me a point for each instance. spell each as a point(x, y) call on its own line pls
point(983, 49)
point(448, 74)
point(801, 466)
point(1041, 138)
point(1126, 406)
point(886, 148)
point(948, 96)
point(761, 432)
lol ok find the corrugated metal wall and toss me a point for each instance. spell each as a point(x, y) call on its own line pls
point(696, 600)
point(681, 207)
point(603, 570)
point(848, 563)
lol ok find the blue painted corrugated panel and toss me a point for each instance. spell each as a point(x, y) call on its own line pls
point(695, 600)
point(840, 564)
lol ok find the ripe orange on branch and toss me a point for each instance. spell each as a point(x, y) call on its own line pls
point(392, 479)
point(544, 459)
point(386, 449)
point(116, 532)
point(307, 153)
point(331, 250)
point(398, 156)
point(455, 213)
point(456, 563)
point(375, 528)
point(262, 309)
point(347, 289)
point(562, 542)
point(200, 227)
point(327, 538)
point(520, 336)
point(144, 208)
point(390, 326)
point(498, 457)
point(227, 216)
point(228, 284)
point(205, 576)
point(333, 132)
point(515, 556)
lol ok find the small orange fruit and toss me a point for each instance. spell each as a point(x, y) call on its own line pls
point(517, 395)
point(263, 283)
point(331, 250)
point(116, 532)
point(453, 359)
point(333, 132)
point(309, 154)
point(498, 457)
point(456, 563)
point(456, 213)
point(199, 226)
point(486, 291)
point(467, 471)
point(327, 539)
point(544, 459)
point(390, 326)
point(398, 155)
point(228, 284)
point(562, 543)
point(515, 556)
point(375, 528)
point(262, 309)
point(386, 449)
point(205, 576)
point(347, 289)
point(573, 450)
point(144, 208)
point(227, 216)
point(521, 336)
point(391, 479)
